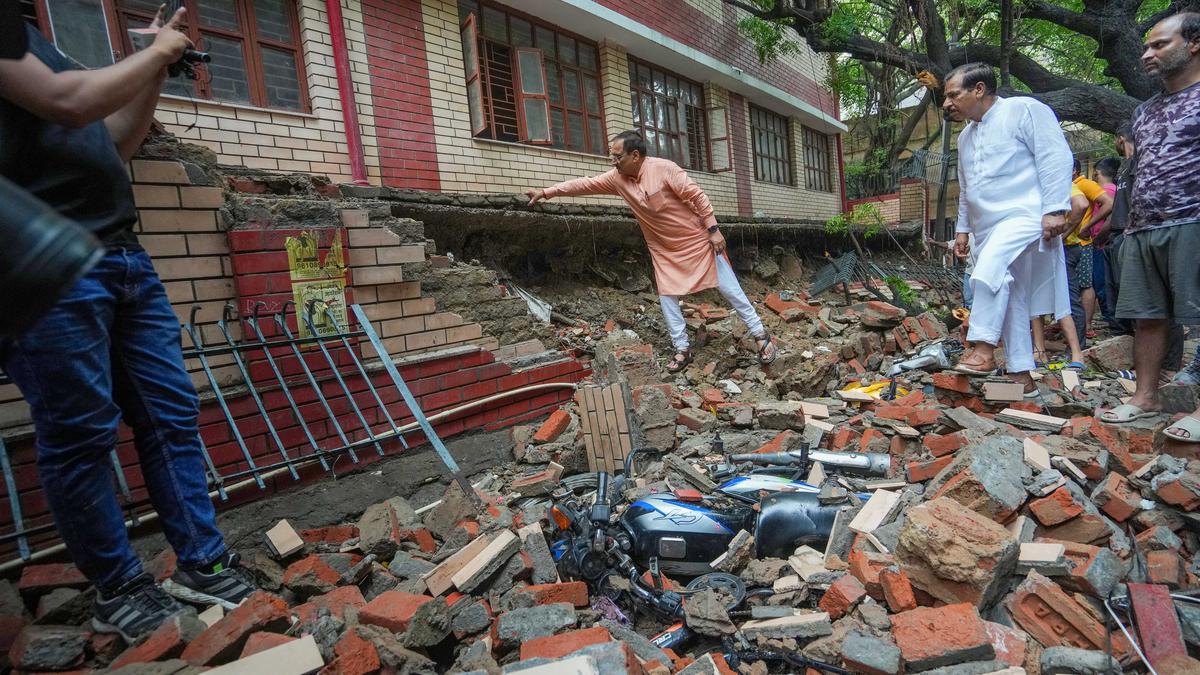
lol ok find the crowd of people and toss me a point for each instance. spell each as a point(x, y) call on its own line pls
point(1118, 245)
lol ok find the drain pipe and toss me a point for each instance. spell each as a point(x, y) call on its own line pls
point(341, 62)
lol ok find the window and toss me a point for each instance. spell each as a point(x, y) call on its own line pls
point(669, 112)
point(816, 161)
point(255, 44)
point(771, 143)
point(529, 82)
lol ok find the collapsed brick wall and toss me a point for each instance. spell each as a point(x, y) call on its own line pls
point(211, 251)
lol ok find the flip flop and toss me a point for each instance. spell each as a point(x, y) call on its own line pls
point(977, 372)
point(770, 342)
point(1189, 424)
point(1076, 365)
point(1123, 375)
point(1126, 413)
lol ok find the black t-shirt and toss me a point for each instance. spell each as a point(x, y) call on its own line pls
point(1119, 218)
point(77, 172)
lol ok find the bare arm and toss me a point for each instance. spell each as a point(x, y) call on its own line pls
point(1101, 208)
point(76, 98)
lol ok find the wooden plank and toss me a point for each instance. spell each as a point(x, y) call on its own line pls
point(875, 511)
point(437, 580)
point(1038, 553)
point(1070, 380)
point(1036, 456)
point(816, 474)
point(1033, 420)
point(856, 396)
point(485, 563)
point(1069, 468)
point(297, 657)
point(612, 436)
point(906, 431)
point(1003, 391)
point(283, 539)
point(818, 410)
point(690, 474)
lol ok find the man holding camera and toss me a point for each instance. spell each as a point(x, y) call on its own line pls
point(110, 349)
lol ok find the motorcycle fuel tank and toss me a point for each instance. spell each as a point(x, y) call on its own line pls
point(684, 536)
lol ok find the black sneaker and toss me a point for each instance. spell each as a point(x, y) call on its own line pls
point(225, 583)
point(134, 609)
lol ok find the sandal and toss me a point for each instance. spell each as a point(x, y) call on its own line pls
point(1125, 413)
point(677, 364)
point(1187, 425)
point(980, 368)
point(768, 343)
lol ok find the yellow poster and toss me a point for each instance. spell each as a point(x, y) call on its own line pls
point(319, 290)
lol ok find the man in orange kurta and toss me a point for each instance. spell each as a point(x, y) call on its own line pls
point(681, 232)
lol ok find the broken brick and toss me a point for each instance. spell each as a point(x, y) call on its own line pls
point(223, 641)
point(1057, 507)
point(1095, 570)
point(392, 610)
point(923, 417)
point(336, 601)
point(1117, 498)
point(353, 655)
point(262, 641)
point(1179, 490)
point(930, 637)
point(842, 596)
point(165, 642)
point(866, 567)
point(919, 472)
point(36, 579)
point(944, 445)
point(336, 535)
point(1008, 643)
point(1052, 617)
point(573, 592)
point(843, 438)
point(553, 427)
point(558, 646)
point(1167, 568)
point(897, 589)
point(311, 576)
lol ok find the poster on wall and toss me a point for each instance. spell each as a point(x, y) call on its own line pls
point(319, 289)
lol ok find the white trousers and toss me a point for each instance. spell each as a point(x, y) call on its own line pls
point(728, 284)
point(1003, 314)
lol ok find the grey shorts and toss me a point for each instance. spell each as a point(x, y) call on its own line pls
point(1160, 275)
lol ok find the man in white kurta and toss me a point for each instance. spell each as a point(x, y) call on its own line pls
point(1014, 172)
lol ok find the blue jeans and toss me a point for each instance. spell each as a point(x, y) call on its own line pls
point(968, 292)
point(109, 351)
point(1076, 284)
point(1100, 284)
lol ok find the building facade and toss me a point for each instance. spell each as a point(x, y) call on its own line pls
point(488, 95)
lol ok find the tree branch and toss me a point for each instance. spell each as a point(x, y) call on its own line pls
point(1085, 24)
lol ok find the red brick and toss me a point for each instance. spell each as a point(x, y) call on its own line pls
point(923, 417)
point(338, 534)
point(312, 572)
point(952, 382)
point(1057, 507)
point(866, 568)
point(897, 589)
point(930, 637)
point(262, 641)
point(166, 642)
point(574, 592)
point(712, 397)
point(421, 536)
point(1052, 617)
point(898, 447)
point(944, 445)
point(1117, 498)
point(553, 426)
point(894, 412)
point(353, 655)
point(336, 601)
point(38, 579)
point(1179, 493)
point(392, 610)
point(223, 641)
point(781, 443)
point(842, 596)
point(1166, 567)
point(558, 646)
point(843, 438)
point(919, 472)
point(869, 435)
point(1008, 643)
point(913, 398)
point(1122, 441)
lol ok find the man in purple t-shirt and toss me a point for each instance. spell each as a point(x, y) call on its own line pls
point(1160, 280)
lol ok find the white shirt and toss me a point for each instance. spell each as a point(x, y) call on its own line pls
point(1014, 166)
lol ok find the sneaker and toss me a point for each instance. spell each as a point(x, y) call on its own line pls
point(224, 583)
point(1189, 375)
point(134, 609)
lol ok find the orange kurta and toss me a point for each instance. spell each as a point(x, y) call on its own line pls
point(675, 215)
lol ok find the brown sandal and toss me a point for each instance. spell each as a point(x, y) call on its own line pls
point(768, 343)
point(677, 364)
point(966, 365)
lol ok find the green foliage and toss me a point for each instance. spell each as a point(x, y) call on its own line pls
point(902, 291)
point(864, 215)
point(770, 38)
point(873, 163)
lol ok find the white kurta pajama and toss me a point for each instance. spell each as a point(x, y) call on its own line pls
point(1014, 166)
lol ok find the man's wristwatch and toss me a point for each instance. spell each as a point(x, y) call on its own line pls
point(712, 229)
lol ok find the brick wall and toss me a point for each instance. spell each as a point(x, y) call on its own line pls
point(796, 200)
point(445, 360)
point(312, 142)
